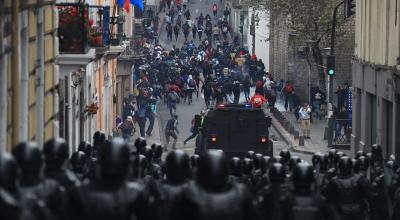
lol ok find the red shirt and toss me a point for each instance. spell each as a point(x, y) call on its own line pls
point(257, 100)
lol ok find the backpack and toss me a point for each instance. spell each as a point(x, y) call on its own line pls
point(288, 88)
point(236, 87)
point(214, 7)
point(170, 124)
point(172, 97)
point(192, 83)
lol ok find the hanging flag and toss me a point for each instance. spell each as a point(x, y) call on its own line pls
point(120, 3)
point(127, 5)
point(138, 3)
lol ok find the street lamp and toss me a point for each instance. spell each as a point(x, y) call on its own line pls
point(254, 19)
point(310, 44)
point(241, 26)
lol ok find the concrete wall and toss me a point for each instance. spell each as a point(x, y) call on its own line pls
point(376, 79)
point(279, 46)
point(378, 31)
point(377, 108)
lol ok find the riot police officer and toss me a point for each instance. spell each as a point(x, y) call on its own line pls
point(56, 155)
point(268, 197)
point(212, 196)
point(30, 161)
point(177, 170)
point(78, 162)
point(349, 193)
point(303, 203)
point(10, 206)
point(108, 196)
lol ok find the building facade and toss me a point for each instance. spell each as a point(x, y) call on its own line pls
point(376, 77)
point(28, 75)
point(88, 70)
point(288, 62)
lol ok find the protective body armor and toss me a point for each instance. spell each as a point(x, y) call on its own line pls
point(96, 201)
point(232, 204)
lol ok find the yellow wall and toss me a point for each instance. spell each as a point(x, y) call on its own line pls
point(50, 82)
point(32, 53)
point(32, 27)
point(32, 123)
point(377, 31)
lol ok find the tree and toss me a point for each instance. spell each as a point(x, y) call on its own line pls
point(309, 19)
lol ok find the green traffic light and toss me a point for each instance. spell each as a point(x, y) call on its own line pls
point(331, 72)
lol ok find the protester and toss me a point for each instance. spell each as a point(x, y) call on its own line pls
point(257, 100)
point(304, 114)
point(317, 103)
point(171, 130)
point(288, 92)
point(127, 128)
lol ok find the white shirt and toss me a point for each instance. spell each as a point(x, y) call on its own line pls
point(305, 113)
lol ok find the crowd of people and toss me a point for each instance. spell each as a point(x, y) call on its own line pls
point(109, 179)
point(179, 19)
point(219, 71)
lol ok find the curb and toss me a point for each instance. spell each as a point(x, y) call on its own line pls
point(288, 139)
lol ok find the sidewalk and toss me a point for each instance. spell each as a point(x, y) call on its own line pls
point(285, 127)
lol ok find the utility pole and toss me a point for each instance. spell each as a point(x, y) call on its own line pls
point(16, 74)
point(310, 44)
point(330, 97)
point(253, 33)
point(241, 26)
point(3, 84)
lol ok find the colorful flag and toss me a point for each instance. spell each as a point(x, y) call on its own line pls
point(127, 5)
point(138, 3)
point(120, 2)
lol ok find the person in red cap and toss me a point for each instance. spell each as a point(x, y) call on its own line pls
point(257, 100)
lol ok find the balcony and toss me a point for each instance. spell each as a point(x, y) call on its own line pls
point(133, 49)
point(116, 47)
point(99, 28)
point(72, 29)
point(73, 35)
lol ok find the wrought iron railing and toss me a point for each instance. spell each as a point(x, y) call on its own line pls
point(73, 28)
point(99, 26)
point(342, 133)
point(133, 48)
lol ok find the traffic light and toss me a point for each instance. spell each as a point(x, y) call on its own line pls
point(350, 8)
point(330, 65)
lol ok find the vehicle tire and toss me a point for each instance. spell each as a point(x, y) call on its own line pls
point(270, 148)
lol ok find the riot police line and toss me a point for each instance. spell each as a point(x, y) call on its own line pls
point(109, 180)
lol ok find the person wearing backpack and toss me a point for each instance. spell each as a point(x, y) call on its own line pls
point(200, 30)
point(171, 130)
point(246, 87)
point(236, 91)
point(172, 100)
point(194, 31)
point(215, 9)
point(176, 31)
point(191, 87)
point(127, 128)
point(288, 90)
point(169, 31)
point(186, 29)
